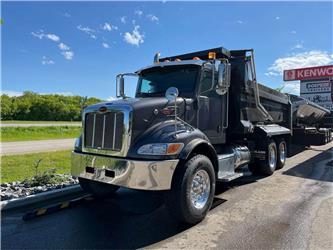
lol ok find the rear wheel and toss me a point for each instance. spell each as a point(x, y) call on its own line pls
point(268, 165)
point(97, 189)
point(192, 192)
point(281, 153)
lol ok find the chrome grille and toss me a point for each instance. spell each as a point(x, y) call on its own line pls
point(104, 131)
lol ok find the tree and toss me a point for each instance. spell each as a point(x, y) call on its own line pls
point(32, 106)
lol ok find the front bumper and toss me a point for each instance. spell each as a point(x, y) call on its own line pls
point(136, 174)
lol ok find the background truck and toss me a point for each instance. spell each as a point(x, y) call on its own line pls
point(196, 119)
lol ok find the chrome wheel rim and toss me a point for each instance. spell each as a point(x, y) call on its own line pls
point(200, 189)
point(282, 152)
point(272, 157)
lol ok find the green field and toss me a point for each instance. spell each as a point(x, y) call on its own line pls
point(41, 122)
point(9, 134)
point(19, 167)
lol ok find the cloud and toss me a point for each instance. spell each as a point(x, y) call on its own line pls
point(68, 54)
point(298, 46)
point(152, 18)
point(109, 27)
point(112, 98)
point(90, 32)
point(38, 34)
point(123, 19)
point(240, 22)
point(291, 87)
point(300, 60)
point(17, 93)
point(105, 45)
point(66, 51)
point(66, 14)
point(277, 18)
point(46, 61)
point(11, 93)
point(41, 35)
point(138, 12)
point(63, 46)
point(53, 37)
point(293, 32)
point(134, 38)
point(61, 93)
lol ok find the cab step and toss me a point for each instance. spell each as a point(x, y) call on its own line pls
point(230, 176)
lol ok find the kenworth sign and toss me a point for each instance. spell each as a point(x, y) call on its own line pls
point(308, 73)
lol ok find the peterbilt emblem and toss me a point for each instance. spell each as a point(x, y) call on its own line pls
point(102, 109)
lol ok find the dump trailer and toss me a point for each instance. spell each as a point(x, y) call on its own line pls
point(196, 119)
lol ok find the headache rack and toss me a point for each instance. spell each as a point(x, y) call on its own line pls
point(220, 52)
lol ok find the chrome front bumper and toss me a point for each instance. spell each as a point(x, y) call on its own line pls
point(136, 174)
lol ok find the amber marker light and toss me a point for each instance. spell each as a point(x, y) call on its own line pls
point(211, 55)
point(174, 148)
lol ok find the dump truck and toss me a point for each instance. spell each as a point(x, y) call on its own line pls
point(196, 119)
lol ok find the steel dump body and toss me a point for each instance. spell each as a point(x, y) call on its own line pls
point(284, 110)
point(306, 112)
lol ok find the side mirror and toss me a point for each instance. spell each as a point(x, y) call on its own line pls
point(120, 86)
point(171, 94)
point(224, 73)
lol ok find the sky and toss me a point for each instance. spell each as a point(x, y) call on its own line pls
point(78, 48)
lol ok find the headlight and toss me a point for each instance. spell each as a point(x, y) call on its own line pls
point(78, 144)
point(161, 149)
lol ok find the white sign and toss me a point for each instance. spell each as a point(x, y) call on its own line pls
point(319, 92)
point(315, 87)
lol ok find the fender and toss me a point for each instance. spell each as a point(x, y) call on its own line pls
point(196, 144)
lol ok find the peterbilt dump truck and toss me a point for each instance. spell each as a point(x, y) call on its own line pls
point(196, 119)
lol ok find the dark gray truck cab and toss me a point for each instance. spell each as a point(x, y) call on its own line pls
point(196, 119)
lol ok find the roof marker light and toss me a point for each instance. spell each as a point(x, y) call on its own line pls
point(211, 55)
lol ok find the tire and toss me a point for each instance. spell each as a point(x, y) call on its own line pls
point(281, 153)
point(268, 166)
point(97, 189)
point(180, 200)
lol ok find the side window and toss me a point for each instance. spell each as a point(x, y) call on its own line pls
point(206, 82)
point(145, 86)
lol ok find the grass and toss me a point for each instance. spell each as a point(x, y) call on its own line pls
point(20, 167)
point(41, 122)
point(9, 134)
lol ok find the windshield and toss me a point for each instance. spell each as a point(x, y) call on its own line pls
point(154, 82)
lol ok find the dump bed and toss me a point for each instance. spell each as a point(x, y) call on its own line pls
point(306, 112)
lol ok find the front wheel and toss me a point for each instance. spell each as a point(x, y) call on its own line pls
point(192, 191)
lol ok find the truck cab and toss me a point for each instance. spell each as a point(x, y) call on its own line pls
point(195, 119)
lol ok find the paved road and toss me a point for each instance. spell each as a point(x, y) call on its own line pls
point(290, 210)
point(38, 124)
point(25, 147)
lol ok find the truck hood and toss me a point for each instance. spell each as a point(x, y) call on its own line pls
point(145, 111)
